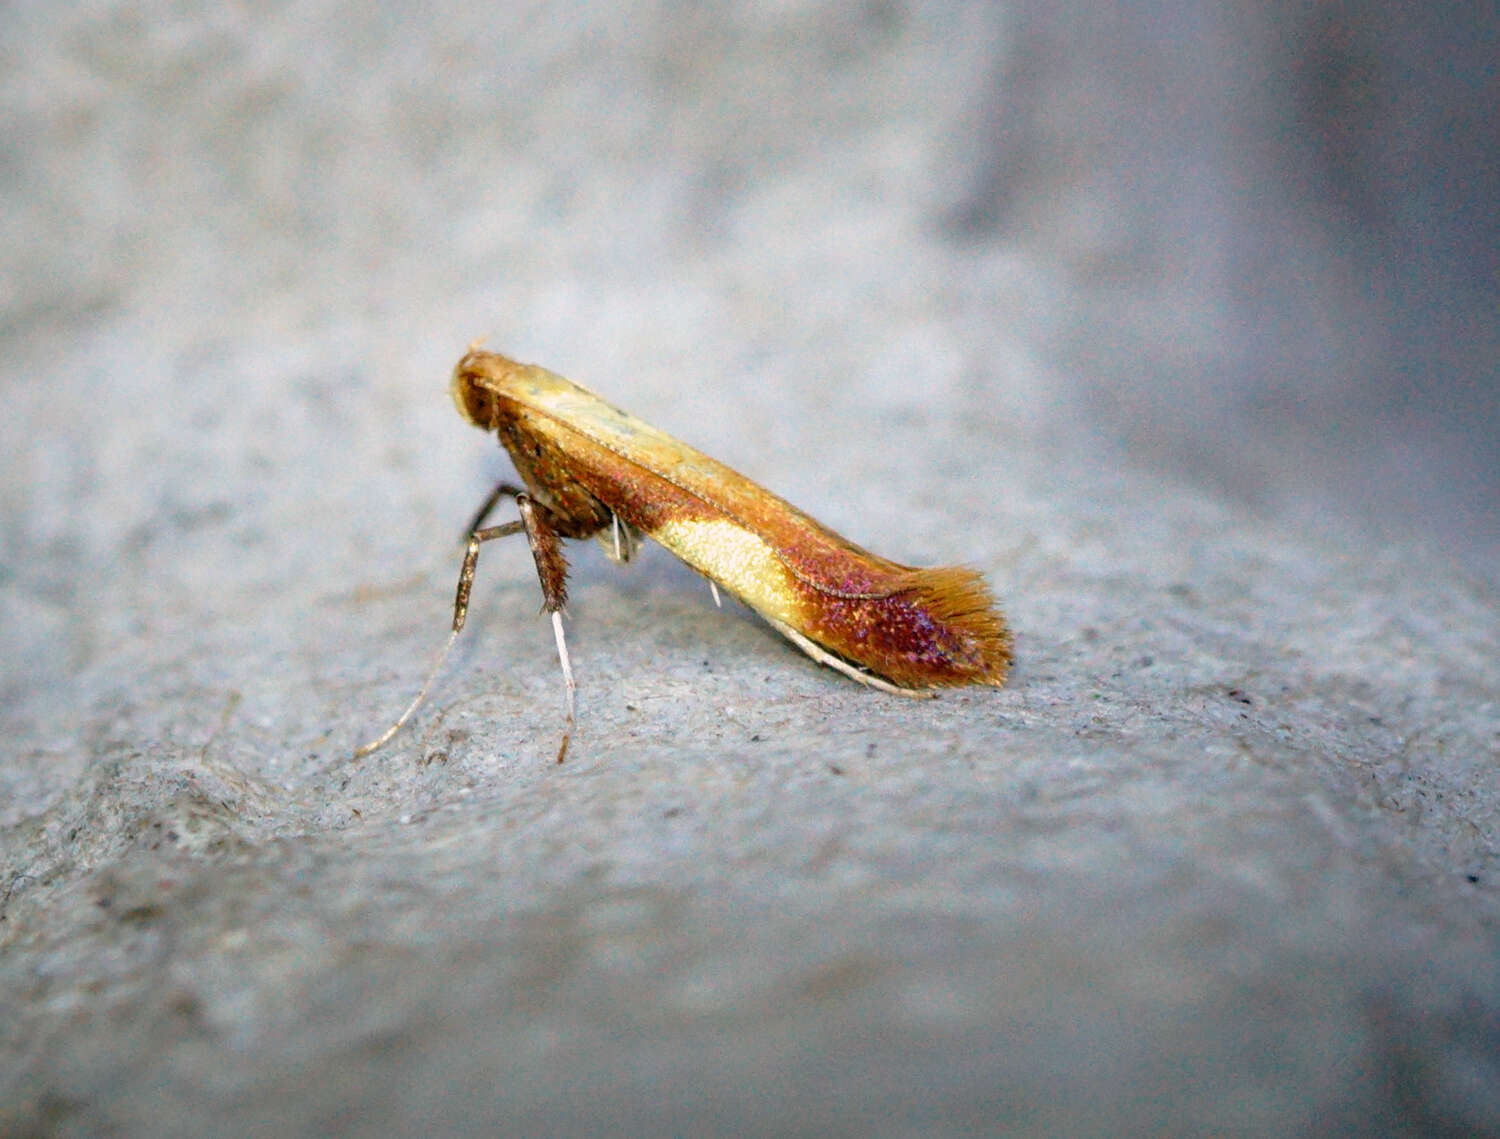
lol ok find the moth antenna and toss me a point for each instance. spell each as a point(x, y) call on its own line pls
point(437, 665)
point(562, 655)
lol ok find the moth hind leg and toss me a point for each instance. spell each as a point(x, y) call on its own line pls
point(619, 541)
point(552, 572)
point(838, 663)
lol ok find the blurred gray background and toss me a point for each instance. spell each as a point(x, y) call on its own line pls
point(1282, 221)
point(1177, 320)
point(1259, 241)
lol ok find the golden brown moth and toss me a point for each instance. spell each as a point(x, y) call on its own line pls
point(592, 470)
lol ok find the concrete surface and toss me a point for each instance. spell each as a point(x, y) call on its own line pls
point(1224, 857)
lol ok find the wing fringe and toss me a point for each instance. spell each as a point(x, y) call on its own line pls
point(959, 599)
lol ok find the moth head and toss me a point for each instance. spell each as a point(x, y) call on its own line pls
point(473, 389)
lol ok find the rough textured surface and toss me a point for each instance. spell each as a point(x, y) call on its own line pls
point(1224, 857)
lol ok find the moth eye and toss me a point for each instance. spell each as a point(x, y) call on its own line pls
point(477, 404)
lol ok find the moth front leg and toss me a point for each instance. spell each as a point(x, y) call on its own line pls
point(551, 572)
point(502, 490)
point(460, 613)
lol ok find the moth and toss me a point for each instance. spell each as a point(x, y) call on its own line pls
point(592, 470)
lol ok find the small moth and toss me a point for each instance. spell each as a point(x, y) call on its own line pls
point(592, 470)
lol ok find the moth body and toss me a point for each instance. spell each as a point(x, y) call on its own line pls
point(592, 470)
point(595, 468)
